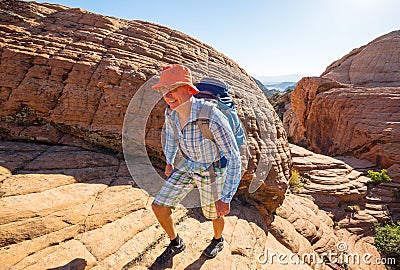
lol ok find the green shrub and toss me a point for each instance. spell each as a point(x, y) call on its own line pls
point(295, 178)
point(379, 177)
point(387, 240)
point(297, 181)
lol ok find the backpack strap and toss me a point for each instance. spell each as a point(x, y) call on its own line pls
point(203, 121)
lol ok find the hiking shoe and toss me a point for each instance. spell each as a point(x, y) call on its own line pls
point(170, 252)
point(214, 247)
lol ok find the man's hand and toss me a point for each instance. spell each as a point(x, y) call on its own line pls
point(223, 208)
point(168, 169)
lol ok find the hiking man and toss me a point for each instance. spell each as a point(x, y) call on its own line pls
point(182, 131)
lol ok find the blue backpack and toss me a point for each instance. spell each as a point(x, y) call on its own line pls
point(216, 92)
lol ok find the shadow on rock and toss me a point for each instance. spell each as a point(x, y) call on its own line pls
point(240, 209)
point(156, 266)
point(197, 264)
point(76, 264)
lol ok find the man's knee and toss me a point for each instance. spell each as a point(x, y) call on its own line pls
point(155, 207)
point(161, 210)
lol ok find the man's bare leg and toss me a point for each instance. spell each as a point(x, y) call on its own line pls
point(217, 243)
point(163, 214)
point(218, 225)
point(164, 217)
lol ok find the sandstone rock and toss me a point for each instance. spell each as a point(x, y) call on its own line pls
point(4, 173)
point(359, 251)
point(361, 165)
point(65, 254)
point(31, 183)
point(306, 219)
point(52, 220)
point(48, 211)
point(338, 187)
point(394, 173)
point(348, 201)
point(78, 71)
point(352, 109)
point(338, 119)
point(374, 64)
point(309, 232)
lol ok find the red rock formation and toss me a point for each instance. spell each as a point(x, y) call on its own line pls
point(336, 119)
point(350, 199)
point(67, 77)
point(353, 108)
point(375, 64)
point(338, 184)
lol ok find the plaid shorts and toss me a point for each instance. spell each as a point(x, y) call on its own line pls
point(180, 183)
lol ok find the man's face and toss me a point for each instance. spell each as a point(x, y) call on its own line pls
point(177, 96)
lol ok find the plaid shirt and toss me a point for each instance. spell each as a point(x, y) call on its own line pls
point(201, 152)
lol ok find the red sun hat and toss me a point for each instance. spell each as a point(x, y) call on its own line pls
point(175, 75)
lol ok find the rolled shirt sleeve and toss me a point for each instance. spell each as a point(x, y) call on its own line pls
point(171, 141)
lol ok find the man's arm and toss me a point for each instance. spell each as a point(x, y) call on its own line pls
point(171, 144)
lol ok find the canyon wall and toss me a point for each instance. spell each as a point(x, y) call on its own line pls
point(353, 108)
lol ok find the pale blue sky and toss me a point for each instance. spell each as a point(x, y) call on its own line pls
point(265, 37)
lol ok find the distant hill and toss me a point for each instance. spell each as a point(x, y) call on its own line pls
point(283, 86)
point(274, 84)
point(278, 79)
point(267, 92)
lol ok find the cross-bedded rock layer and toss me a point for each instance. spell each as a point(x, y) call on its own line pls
point(372, 65)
